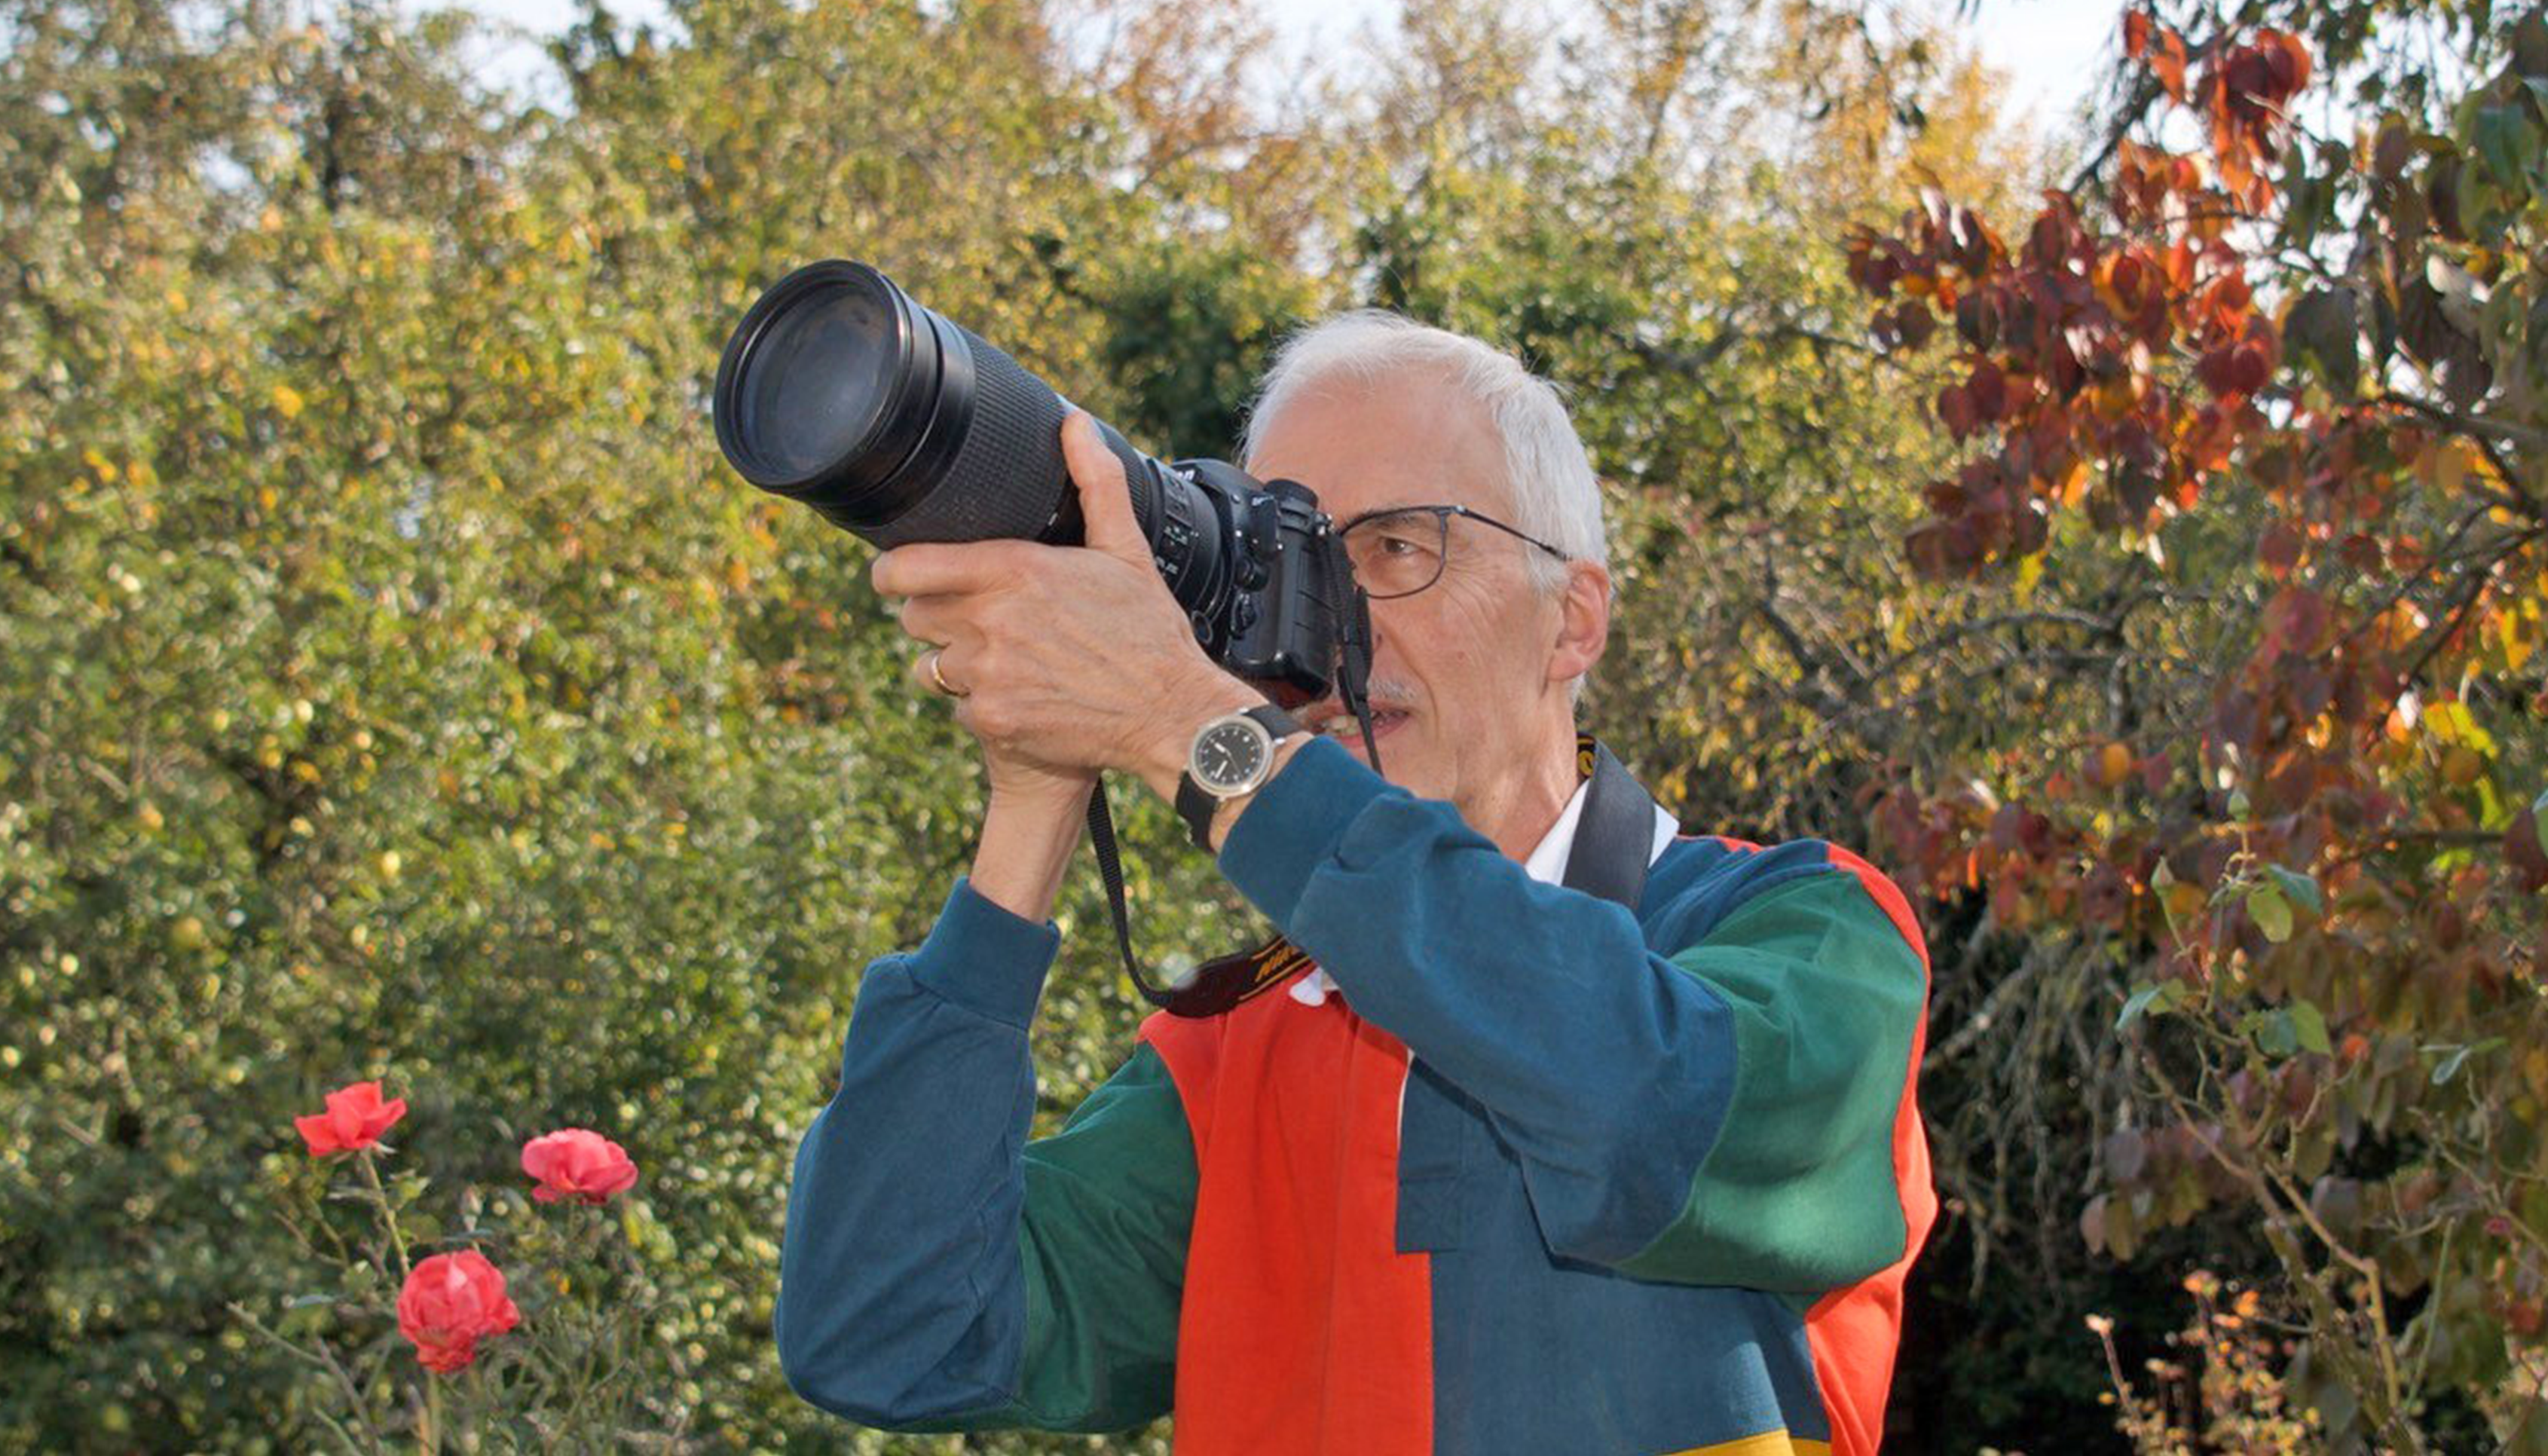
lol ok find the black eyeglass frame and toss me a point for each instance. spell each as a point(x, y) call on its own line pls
point(1441, 515)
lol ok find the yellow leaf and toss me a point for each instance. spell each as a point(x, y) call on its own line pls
point(2030, 571)
point(2449, 722)
point(288, 399)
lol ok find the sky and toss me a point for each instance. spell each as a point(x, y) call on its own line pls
point(2048, 48)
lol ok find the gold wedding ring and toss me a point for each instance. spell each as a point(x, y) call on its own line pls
point(936, 677)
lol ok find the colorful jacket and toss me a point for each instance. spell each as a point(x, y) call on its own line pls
point(1546, 1177)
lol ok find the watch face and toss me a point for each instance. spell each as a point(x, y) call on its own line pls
point(1229, 754)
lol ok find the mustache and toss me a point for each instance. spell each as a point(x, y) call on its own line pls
point(1390, 692)
point(1383, 692)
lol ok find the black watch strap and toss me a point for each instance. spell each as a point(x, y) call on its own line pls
point(1196, 806)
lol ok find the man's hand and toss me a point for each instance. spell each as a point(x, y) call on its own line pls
point(1070, 660)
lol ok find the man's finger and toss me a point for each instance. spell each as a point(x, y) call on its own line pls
point(931, 670)
point(931, 568)
point(927, 619)
point(1105, 497)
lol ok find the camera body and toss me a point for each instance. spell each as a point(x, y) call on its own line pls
point(896, 424)
point(1274, 621)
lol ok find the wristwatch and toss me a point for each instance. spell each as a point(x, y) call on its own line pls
point(1233, 754)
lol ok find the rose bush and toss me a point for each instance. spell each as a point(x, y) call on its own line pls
point(566, 1383)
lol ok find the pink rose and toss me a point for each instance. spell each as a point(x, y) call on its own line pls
point(451, 1301)
point(355, 1118)
point(574, 1162)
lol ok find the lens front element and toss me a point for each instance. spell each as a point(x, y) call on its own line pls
point(817, 380)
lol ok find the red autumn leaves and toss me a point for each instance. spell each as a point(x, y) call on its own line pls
point(2069, 340)
point(2239, 345)
point(452, 1301)
point(2243, 92)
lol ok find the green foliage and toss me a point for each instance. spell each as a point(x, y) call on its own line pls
point(399, 688)
point(397, 684)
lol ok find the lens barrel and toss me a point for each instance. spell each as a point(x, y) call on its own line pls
point(896, 424)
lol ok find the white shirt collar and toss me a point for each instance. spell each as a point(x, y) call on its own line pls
point(1545, 864)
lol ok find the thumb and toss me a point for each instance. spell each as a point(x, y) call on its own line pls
point(1105, 497)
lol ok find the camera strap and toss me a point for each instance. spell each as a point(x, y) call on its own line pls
point(1214, 987)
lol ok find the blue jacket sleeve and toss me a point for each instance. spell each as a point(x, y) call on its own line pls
point(1612, 1072)
point(940, 1271)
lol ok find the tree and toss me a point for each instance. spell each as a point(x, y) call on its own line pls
point(2254, 447)
point(399, 686)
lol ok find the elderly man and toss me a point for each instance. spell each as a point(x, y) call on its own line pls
point(1492, 1164)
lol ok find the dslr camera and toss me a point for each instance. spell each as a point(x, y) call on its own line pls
point(896, 424)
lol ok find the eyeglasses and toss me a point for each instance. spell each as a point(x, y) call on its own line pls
point(1400, 552)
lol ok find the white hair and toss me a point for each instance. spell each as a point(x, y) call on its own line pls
point(1548, 477)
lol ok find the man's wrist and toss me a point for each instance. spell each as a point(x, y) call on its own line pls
point(1165, 763)
point(1225, 817)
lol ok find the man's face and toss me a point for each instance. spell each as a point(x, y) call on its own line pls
point(1465, 663)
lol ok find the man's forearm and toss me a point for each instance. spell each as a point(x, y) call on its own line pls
point(1024, 851)
point(900, 1288)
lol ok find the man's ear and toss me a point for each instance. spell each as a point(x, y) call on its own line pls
point(1584, 621)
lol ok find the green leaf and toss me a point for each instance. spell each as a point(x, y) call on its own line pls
point(2271, 912)
point(2299, 887)
point(2272, 1030)
point(2160, 996)
point(2505, 142)
point(2324, 328)
point(2310, 1024)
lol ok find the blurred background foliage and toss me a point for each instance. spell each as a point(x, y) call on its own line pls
point(397, 684)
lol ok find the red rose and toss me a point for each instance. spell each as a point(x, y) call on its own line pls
point(574, 1162)
point(450, 1302)
point(355, 1118)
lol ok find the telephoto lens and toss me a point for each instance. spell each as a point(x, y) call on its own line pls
point(839, 391)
